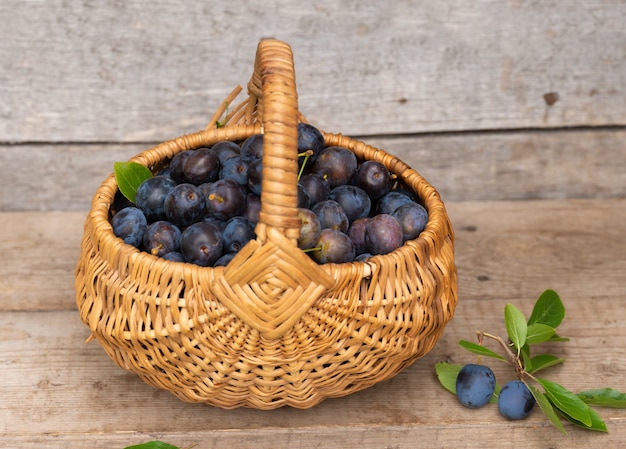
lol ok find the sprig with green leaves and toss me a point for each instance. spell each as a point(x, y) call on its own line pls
point(554, 400)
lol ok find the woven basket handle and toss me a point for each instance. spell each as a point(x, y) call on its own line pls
point(270, 283)
point(278, 109)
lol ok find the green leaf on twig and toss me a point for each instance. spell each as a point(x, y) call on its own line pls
point(546, 408)
point(567, 402)
point(604, 397)
point(516, 326)
point(548, 310)
point(479, 349)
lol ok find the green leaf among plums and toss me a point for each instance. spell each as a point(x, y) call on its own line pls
point(447, 374)
point(129, 176)
point(554, 400)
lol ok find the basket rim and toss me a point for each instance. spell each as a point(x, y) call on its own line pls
point(99, 216)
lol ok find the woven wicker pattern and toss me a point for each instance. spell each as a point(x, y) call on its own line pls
point(272, 328)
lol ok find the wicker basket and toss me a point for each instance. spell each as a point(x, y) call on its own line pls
point(272, 328)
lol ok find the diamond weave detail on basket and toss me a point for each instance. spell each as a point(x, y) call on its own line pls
point(271, 285)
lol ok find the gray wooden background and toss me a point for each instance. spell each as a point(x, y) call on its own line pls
point(489, 100)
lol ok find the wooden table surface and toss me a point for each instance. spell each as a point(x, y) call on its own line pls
point(515, 111)
point(58, 391)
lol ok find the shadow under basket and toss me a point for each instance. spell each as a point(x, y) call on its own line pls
point(272, 328)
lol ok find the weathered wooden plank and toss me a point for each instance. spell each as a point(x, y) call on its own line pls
point(503, 250)
point(471, 436)
point(138, 71)
point(482, 166)
point(514, 166)
point(38, 256)
point(57, 389)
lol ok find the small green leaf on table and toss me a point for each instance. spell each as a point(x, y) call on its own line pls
point(604, 397)
point(152, 445)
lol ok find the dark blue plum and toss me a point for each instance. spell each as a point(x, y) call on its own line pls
point(184, 205)
point(174, 256)
point(413, 218)
point(354, 201)
point(333, 247)
point(253, 207)
point(362, 257)
point(391, 201)
point(236, 168)
point(217, 222)
point(255, 176)
point(161, 237)
point(224, 259)
point(225, 199)
point(225, 149)
point(383, 234)
point(356, 232)
point(304, 200)
point(130, 225)
point(331, 215)
point(316, 186)
point(336, 164)
point(515, 401)
point(120, 202)
point(374, 178)
point(310, 143)
point(150, 196)
point(253, 146)
point(201, 243)
point(237, 232)
point(475, 385)
point(176, 166)
point(309, 230)
point(201, 166)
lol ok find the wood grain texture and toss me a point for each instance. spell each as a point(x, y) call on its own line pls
point(463, 167)
point(502, 250)
point(57, 388)
point(59, 391)
point(144, 71)
point(498, 104)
